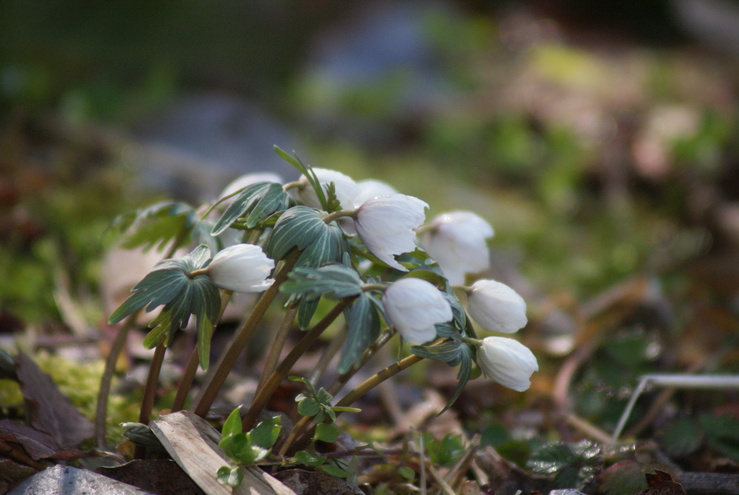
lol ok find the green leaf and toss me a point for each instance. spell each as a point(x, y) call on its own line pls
point(230, 476)
point(232, 426)
point(309, 458)
point(328, 433)
point(308, 406)
point(466, 355)
point(407, 472)
point(335, 281)
point(258, 201)
point(363, 328)
point(306, 310)
point(335, 471)
point(572, 465)
point(447, 352)
point(296, 228)
point(324, 397)
point(722, 433)
point(682, 437)
point(158, 225)
point(307, 172)
point(265, 434)
point(329, 246)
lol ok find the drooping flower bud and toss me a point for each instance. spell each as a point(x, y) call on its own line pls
point(496, 307)
point(507, 362)
point(370, 189)
point(414, 307)
point(386, 225)
point(345, 187)
point(241, 268)
point(457, 241)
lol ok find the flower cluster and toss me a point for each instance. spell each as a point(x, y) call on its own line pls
point(328, 237)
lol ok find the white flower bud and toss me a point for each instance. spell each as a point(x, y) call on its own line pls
point(371, 188)
point(507, 362)
point(414, 307)
point(241, 268)
point(386, 225)
point(496, 307)
point(346, 189)
point(457, 241)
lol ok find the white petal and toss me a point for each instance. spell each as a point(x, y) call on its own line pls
point(457, 241)
point(507, 362)
point(345, 187)
point(241, 268)
point(414, 307)
point(370, 189)
point(387, 225)
point(496, 307)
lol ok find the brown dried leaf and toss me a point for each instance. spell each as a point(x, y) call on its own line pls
point(38, 444)
point(48, 408)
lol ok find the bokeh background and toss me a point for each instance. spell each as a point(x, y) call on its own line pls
point(598, 138)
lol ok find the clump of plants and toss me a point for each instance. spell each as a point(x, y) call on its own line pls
point(360, 246)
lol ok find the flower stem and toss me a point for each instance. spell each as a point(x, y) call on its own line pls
point(376, 346)
point(277, 345)
point(301, 430)
point(338, 214)
point(377, 379)
point(264, 393)
point(101, 411)
point(150, 392)
point(188, 376)
point(210, 390)
point(328, 355)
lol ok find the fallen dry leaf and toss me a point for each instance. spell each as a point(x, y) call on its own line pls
point(50, 411)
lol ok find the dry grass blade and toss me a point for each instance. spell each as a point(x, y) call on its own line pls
point(193, 444)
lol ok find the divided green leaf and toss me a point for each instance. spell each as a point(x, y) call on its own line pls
point(256, 202)
point(363, 328)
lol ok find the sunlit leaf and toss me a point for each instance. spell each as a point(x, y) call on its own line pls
point(265, 434)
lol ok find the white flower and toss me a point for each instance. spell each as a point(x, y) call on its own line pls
point(241, 268)
point(496, 307)
point(371, 188)
point(346, 189)
point(456, 240)
point(386, 225)
point(507, 362)
point(414, 307)
point(246, 180)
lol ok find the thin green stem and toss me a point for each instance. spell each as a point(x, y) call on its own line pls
point(301, 429)
point(277, 345)
point(264, 393)
point(328, 355)
point(101, 411)
point(371, 351)
point(210, 390)
point(150, 392)
point(338, 214)
point(377, 379)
